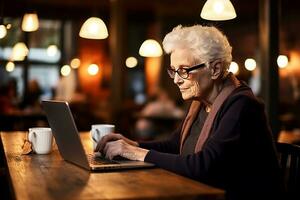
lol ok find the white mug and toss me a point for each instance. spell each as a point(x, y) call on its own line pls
point(41, 139)
point(100, 130)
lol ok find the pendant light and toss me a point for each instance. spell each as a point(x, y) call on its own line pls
point(19, 52)
point(150, 48)
point(30, 22)
point(218, 10)
point(3, 31)
point(93, 28)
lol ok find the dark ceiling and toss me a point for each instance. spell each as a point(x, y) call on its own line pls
point(75, 9)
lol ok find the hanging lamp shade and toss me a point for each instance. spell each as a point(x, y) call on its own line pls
point(30, 22)
point(3, 31)
point(93, 28)
point(19, 52)
point(218, 10)
point(150, 48)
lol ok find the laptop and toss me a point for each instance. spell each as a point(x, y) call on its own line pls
point(69, 144)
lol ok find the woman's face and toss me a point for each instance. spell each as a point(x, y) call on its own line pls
point(198, 84)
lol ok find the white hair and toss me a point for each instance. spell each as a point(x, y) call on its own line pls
point(203, 42)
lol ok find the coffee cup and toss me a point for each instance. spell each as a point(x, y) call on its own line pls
point(100, 130)
point(41, 139)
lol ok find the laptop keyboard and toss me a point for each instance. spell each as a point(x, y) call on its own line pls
point(99, 160)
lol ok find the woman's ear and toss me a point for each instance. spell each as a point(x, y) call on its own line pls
point(216, 69)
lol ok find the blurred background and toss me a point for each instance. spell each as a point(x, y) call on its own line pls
point(111, 80)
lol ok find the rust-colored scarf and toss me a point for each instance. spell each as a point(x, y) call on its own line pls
point(231, 83)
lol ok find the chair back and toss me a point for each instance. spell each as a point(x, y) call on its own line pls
point(289, 158)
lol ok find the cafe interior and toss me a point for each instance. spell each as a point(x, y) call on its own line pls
point(105, 59)
point(46, 52)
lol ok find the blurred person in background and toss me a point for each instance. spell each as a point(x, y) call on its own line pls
point(31, 100)
point(225, 139)
point(5, 104)
point(66, 87)
point(160, 107)
point(9, 100)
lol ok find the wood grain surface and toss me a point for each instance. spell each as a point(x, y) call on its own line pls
point(50, 177)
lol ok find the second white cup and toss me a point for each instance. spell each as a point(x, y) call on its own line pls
point(100, 130)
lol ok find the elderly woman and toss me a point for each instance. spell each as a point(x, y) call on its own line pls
point(224, 140)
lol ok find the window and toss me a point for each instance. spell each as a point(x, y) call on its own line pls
point(42, 61)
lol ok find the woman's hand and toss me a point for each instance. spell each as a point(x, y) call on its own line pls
point(112, 137)
point(122, 148)
point(114, 144)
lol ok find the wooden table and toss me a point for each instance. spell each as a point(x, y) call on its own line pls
point(50, 177)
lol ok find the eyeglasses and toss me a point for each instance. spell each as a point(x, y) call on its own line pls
point(183, 72)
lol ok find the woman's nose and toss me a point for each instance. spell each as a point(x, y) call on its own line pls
point(177, 79)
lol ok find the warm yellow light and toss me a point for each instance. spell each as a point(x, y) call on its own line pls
point(10, 66)
point(8, 26)
point(218, 10)
point(131, 62)
point(250, 64)
point(52, 50)
point(75, 63)
point(30, 22)
point(282, 61)
point(65, 70)
point(19, 52)
point(3, 31)
point(234, 67)
point(93, 28)
point(93, 69)
point(150, 48)
point(218, 7)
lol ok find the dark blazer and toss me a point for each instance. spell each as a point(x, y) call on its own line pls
point(239, 155)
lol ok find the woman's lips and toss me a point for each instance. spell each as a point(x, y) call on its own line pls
point(182, 89)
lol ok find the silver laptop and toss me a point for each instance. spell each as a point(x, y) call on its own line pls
point(69, 144)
